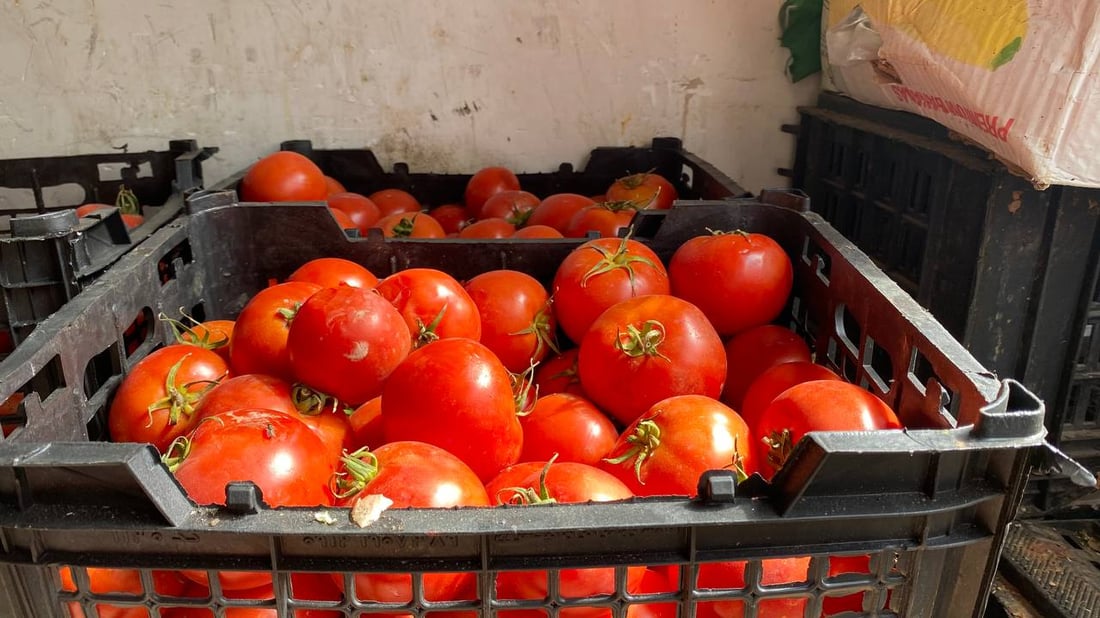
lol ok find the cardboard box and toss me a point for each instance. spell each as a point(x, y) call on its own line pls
point(1017, 77)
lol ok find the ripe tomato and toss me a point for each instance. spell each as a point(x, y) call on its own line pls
point(432, 303)
point(556, 210)
point(488, 228)
point(410, 225)
point(156, 400)
point(731, 575)
point(366, 426)
point(470, 394)
point(362, 212)
point(411, 474)
point(390, 201)
point(739, 280)
point(451, 217)
point(515, 207)
point(345, 341)
point(261, 330)
point(330, 272)
point(820, 405)
point(673, 443)
point(334, 186)
point(754, 351)
point(646, 349)
point(840, 565)
point(516, 321)
point(558, 374)
point(272, 449)
point(600, 273)
point(649, 190)
point(774, 381)
point(303, 587)
point(284, 177)
point(566, 482)
point(275, 394)
point(212, 335)
point(537, 231)
point(569, 427)
point(342, 219)
point(486, 183)
point(654, 582)
point(121, 582)
point(606, 219)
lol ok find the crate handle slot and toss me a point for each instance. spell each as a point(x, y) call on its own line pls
point(1015, 413)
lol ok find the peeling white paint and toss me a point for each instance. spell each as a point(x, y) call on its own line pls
point(446, 87)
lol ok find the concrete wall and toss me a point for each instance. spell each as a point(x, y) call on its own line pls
point(444, 86)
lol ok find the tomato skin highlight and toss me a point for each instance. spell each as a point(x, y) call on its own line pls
point(455, 394)
point(345, 342)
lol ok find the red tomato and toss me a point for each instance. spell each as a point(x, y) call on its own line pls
point(739, 280)
point(566, 482)
point(261, 331)
point(488, 228)
point(212, 334)
point(556, 210)
point(774, 381)
point(754, 351)
point(820, 405)
point(646, 349)
point(156, 400)
point(731, 575)
point(345, 341)
point(334, 186)
point(486, 183)
point(362, 212)
point(673, 443)
point(451, 217)
point(121, 582)
point(410, 225)
point(432, 303)
point(412, 474)
point(606, 219)
point(568, 426)
point(303, 587)
point(272, 449)
point(516, 321)
point(600, 273)
point(390, 201)
point(468, 409)
point(275, 394)
point(537, 231)
point(330, 272)
point(515, 207)
point(284, 177)
point(342, 219)
point(366, 426)
point(558, 374)
point(840, 565)
point(87, 209)
point(654, 582)
point(649, 190)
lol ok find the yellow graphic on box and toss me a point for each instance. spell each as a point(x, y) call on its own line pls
point(981, 33)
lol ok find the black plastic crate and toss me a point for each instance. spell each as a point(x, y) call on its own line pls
point(929, 505)
point(359, 171)
point(1009, 270)
point(47, 254)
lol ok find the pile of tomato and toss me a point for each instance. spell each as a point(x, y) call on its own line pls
point(494, 204)
point(625, 377)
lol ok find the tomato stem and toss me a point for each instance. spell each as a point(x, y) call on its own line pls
point(737, 465)
point(311, 402)
point(641, 446)
point(779, 447)
point(180, 332)
point(127, 201)
point(288, 313)
point(523, 384)
point(361, 467)
point(179, 399)
point(426, 334)
point(542, 329)
point(645, 341)
point(176, 452)
point(621, 258)
point(404, 227)
point(526, 495)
